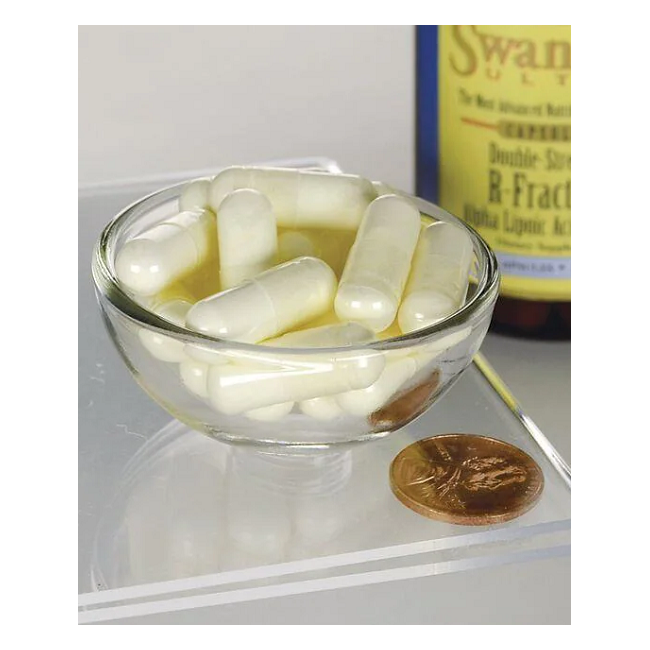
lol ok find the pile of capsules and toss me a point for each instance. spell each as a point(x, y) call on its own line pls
point(401, 274)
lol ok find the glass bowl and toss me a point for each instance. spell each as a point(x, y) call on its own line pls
point(287, 397)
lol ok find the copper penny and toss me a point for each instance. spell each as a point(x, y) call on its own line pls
point(466, 479)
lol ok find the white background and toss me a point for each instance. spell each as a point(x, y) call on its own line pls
point(166, 98)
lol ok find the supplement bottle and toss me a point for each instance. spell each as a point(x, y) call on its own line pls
point(494, 148)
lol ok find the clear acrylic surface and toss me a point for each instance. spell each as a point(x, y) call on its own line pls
point(170, 519)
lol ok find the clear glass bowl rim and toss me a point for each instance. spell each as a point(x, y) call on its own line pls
point(107, 285)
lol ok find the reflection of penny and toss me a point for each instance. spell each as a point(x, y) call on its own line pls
point(405, 405)
point(466, 479)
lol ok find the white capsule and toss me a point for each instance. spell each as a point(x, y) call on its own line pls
point(273, 302)
point(164, 253)
point(161, 346)
point(194, 376)
point(378, 264)
point(326, 336)
point(366, 401)
point(239, 387)
point(195, 195)
point(248, 238)
point(439, 277)
point(270, 413)
point(303, 199)
point(321, 408)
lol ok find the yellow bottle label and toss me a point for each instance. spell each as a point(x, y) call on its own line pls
point(505, 147)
